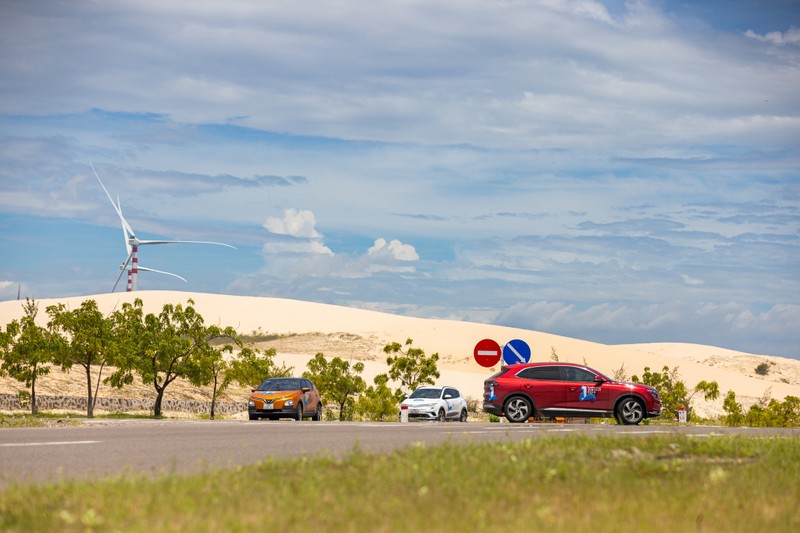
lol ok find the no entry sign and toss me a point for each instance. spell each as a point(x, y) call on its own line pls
point(487, 352)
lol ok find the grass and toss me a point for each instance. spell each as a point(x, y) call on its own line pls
point(45, 418)
point(21, 420)
point(660, 483)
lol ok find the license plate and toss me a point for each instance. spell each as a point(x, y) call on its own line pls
point(267, 407)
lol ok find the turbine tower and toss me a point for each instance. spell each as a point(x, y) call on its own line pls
point(132, 244)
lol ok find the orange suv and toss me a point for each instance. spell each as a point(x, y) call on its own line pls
point(275, 398)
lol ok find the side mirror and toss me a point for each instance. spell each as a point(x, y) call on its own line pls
point(253, 390)
point(305, 389)
point(448, 397)
point(599, 380)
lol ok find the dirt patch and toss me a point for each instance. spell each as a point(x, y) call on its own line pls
point(344, 345)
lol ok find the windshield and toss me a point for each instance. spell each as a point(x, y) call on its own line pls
point(280, 385)
point(426, 393)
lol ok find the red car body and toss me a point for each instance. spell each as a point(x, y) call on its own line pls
point(553, 389)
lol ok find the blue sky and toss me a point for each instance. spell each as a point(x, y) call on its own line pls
point(619, 172)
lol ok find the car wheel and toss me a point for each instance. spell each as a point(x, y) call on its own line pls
point(518, 410)
point(463, 417)
point(317, 416)
point(440, 416)
point(298, 415)
point(630, 411)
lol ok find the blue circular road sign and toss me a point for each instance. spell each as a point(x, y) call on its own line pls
point(516, 351)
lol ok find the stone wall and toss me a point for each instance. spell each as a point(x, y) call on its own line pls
point(10, 402)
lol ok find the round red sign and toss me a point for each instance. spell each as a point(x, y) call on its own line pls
point(487, 352)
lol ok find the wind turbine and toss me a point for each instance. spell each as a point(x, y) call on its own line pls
point(132, 244)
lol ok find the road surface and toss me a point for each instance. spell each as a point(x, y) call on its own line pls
point(101, 448)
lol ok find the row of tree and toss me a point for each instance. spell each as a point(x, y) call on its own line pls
point(176, 343)
point(158, 348)
point(767, 412)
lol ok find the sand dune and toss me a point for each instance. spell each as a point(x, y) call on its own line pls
point(361, 334)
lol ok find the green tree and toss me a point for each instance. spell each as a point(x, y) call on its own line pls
point(762, 369)
point(735, 415)
point(211, 367)
point(787, 412)
point(774, 413)
point(87, 342)
point(337, 381)
point(160, 348)
point(250, 367)
point(28, 350)
point(378, 402)
point(709, 390)
point(410, 367)
point(674, 392)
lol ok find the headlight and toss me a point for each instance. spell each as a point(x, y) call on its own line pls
point(288, 403)
point(251, 403)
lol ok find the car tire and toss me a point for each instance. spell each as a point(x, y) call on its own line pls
point(317, 416)
point(463, 417)
point(630, 411)
point(298, 414)
point(440, 417)
point(518, 409)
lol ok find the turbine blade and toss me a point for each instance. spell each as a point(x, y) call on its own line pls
point(125, 224)
point(125, 236)
point(162, 272)
point(121, 271)
point(188, 242)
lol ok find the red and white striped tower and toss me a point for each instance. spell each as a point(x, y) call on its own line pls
point(134, 266)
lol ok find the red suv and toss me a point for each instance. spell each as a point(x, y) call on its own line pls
point(523, 391)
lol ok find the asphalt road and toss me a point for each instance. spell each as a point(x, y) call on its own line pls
point(101, 448)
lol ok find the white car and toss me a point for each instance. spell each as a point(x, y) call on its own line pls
point(435, 403)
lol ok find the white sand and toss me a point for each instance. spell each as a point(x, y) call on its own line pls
point(361, 335)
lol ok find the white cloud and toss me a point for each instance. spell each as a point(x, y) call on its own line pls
point(394, 250)
point(691, 281)
point(791, 36)
point(300, 247)
point(294, 223)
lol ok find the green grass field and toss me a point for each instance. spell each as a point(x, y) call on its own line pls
point(661, 483)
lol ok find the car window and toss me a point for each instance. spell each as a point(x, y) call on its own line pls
point(545, 373)
point(426, 393)
point(499, 373)
point(578, 374)
point(279, 385)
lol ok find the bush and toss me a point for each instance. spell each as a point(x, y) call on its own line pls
point(762, 369)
